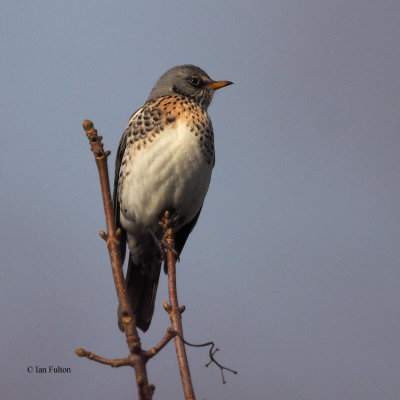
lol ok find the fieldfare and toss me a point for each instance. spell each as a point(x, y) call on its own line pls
point(164, 162)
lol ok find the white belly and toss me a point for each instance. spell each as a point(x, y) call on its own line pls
point(169, 173)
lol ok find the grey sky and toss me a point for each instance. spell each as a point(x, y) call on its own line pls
point(293, 268)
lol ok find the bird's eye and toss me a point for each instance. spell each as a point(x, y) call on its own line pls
point(195, 82)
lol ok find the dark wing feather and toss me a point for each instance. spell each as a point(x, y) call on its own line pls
point(118, 161)
point(182, 235)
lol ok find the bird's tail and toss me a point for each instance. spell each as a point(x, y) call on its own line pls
point(141, 286)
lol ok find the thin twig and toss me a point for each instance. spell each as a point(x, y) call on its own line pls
point(211, 354)
point(175, 312)
point(115, 363)
point(164, 341)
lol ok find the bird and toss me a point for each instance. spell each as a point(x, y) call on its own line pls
point(164, 162)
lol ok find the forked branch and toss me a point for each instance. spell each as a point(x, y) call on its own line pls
point(137, 357)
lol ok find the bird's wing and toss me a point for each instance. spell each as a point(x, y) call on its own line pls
point(183, 233)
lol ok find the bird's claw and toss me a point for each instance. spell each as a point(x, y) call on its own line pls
point(163, 245)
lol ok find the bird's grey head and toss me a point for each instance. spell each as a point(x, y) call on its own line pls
point(189, 81)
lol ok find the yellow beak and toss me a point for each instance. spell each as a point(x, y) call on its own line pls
point(218, 84)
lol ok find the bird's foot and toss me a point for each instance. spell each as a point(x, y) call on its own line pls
point(163, 245)
point(167, 246)
point(173, 219)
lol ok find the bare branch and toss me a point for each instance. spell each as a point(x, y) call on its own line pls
point(137, 358)
point(174, 310)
